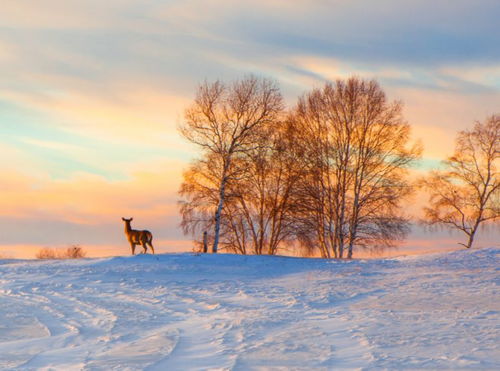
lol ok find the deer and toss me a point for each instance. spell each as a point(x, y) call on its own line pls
point(135, 237)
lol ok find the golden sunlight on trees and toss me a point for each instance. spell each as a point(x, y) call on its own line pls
point(353, 143)
point(224, 121)
point(260, 214)
point(466, 193)
point(330, 174)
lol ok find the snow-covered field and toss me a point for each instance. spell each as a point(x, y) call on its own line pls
point(201, 312)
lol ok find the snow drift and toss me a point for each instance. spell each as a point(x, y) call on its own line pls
point(200, 312)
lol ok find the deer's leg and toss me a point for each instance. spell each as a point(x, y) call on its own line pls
point(132, 246)
point(144, 246)
point(152, 248)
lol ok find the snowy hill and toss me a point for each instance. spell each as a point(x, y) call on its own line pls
point(188, 312)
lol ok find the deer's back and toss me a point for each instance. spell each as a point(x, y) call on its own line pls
point(139, 236)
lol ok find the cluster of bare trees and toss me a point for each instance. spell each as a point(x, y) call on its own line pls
point(328, 175)
point(354, 147)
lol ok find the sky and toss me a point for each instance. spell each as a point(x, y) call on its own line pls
point(92, 93)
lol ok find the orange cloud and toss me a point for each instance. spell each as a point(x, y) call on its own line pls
point(437, 116)
point(89, 199)
point(333, 68)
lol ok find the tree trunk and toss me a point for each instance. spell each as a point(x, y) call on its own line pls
point(205, 242)
point(472, 234)
point(471, 239)
point(349, 251)
point(340, 245)
point(218, 213)
point(354, 225)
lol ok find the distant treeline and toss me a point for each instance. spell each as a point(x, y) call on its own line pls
point(329, 175)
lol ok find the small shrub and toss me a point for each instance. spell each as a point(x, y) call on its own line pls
point(46, 253)
point(75, 252)
point(72, 252)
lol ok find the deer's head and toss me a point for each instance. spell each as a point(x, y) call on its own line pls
point(127, 220)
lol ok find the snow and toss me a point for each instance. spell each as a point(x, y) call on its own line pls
point(202, 312)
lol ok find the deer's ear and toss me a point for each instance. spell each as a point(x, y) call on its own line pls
point(131, 219)
point(123, 219)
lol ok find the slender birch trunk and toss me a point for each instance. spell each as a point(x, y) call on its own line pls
point(218, 213)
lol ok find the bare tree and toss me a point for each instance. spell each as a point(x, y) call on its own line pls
point(355, 147)
point(466, 193)
point(261, 216)
point(315, 195)
point(223, 122)
point(199, 196)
